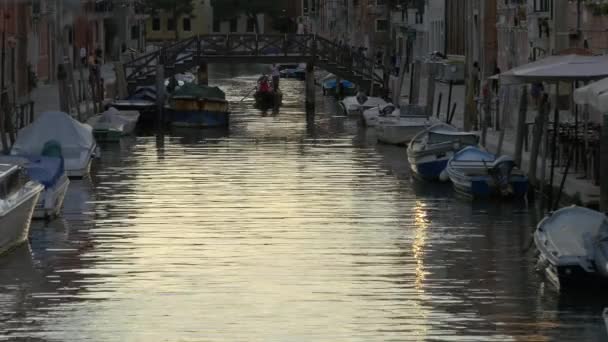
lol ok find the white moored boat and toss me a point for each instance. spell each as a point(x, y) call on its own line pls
point(429, 151)
point(395, 128)
point(78, 147)
point(573, 247)
point(356, 105)
point(113, 124)
point(18, 197)
point(50, 172)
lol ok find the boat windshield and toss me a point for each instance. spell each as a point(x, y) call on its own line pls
point(12, 183)
point(438, 138)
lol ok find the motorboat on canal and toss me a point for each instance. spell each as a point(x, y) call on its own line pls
point(330, 85)
point(429, 151)
point(356, 105)
point(48, 170)
point(573, 247)
point(78, 146)
point(399, 126)
point(18, 197)
point(297, 71)
point(113, 124)
point(265, 95)
point(195, 105)
point(477, 173)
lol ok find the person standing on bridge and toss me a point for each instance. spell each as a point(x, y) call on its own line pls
point(276, 75)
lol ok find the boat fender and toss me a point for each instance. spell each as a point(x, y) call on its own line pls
point(443, 176)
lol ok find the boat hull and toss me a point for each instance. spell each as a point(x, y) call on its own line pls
point(51, 199)
point(15, 223)
point(483, 187)
point(198, 118)
point(428, 169)
point(266, 100)
point(79, 168)
point(107, 135)
point(570, 277)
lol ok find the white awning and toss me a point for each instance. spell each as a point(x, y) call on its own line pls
point(559, 68)
point(594, 94)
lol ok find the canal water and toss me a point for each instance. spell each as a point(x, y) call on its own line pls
point(280, 231)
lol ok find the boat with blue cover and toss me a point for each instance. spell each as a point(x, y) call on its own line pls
point(48, 171)
point(330, 84)
point(478, 173)
point(429, 151)
point(195, 105)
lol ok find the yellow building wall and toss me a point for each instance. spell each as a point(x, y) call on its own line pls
point(200, 23)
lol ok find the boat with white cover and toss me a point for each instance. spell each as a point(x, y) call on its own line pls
point(18, 197)
point(356, 105)
point(573, 247)
point(78, 145)
point(478, 173)
point(398, 128)
point(429, 151)
point(113, 124)
point(48, 171)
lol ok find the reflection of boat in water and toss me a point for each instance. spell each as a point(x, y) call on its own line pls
point(198, 106)
point(573, 247)
point(18, 197)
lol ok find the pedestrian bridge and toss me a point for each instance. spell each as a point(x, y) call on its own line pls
point(189, 53)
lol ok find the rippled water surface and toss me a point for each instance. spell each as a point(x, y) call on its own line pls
point(279, 231)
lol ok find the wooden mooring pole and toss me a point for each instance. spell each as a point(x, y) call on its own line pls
point(604, 164)
point(310, 89)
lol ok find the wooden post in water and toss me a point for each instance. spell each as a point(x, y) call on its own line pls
point(310, 88)
point(604, 164)
point(430, 89)
point(203, 74)
point(554, 143)
point(537, 139)
point(121, 80)
point(521, 126)
point(62, 75)
point(160, 95)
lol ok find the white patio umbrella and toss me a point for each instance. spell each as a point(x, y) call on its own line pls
point(594, 94)
point(567, 68)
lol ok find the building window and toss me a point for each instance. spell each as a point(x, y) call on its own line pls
point(186, 25)
point(170, 24)
point(251, 24)
point(217, 25)
point(233, 24)
point(381, 25)
point(155, 24)
point(134, 32)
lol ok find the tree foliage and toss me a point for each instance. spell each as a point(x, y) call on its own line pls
point(230, 9)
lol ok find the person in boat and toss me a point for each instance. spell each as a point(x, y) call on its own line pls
point(263, 85)
point(276, 76)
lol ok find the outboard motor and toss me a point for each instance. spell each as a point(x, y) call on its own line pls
point(501, 173)
point(361, 98)
point(386, 110)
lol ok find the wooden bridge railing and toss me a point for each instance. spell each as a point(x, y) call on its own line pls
point(268, 47)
